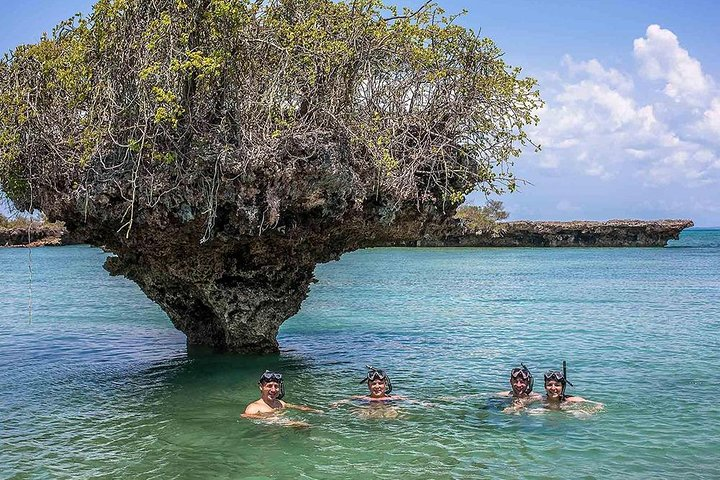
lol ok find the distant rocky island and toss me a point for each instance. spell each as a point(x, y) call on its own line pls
point(612, 233)
point(35, 235)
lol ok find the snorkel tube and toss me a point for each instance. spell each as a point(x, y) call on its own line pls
point(566, 381)
point(377, 374)
point(523, 372)
point(268, 377)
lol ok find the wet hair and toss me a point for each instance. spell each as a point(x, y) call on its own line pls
point(522, 371)
point(268, 377)
point(377, 374)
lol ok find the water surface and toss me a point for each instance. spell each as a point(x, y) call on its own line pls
point(98, 383)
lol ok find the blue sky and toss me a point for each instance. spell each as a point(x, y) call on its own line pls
point(631, 126)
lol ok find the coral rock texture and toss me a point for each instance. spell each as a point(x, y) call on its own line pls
point(233, 291)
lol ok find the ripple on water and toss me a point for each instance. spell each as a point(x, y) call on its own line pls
point(99, 384)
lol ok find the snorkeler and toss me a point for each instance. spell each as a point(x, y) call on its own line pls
point(379, 386)
point(555, 384)
point(272, 390)
point(521, 384)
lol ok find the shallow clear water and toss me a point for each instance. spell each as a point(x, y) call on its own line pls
point(99, 384)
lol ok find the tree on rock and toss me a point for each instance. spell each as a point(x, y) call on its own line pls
point(483, 219)
point(222, 148)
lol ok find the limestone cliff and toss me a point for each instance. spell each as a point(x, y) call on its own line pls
point(222, 149)
point(233, 289)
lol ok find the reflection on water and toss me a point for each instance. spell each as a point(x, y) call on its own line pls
point(99, 384)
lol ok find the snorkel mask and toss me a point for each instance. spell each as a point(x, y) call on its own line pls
point(268, 377)
point(522, 372)
point(377, 374)
point(559, 377)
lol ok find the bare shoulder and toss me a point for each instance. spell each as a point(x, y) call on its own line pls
point(253, 408)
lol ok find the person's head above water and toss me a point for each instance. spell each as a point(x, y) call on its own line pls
point(555, 383)
point(271, 385)
point(377, 381)
point(521, 381)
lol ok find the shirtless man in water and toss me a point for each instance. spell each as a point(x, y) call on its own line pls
point(271, 393)
point(521, 383)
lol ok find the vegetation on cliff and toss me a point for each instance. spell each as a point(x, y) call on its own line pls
point(222, 148)
point(483, 219)
point(218, 89)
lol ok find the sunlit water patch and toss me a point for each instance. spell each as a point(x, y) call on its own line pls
point(97, 382)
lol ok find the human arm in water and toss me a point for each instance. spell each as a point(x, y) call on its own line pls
point(519, 404)
point(258, 416)
point(423, 403)
point(302, 408)
point(262, 411)
point(580, 400)
point(337, 403)
point(371, 399)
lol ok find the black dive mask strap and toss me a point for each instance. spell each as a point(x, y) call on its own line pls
point(377, 374)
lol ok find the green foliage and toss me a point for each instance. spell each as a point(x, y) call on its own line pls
point(428, 110)
point(483, 219)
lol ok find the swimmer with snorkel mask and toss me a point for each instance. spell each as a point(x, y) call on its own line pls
point(379, 386)
point(555, 385)
point(379, 401)
point(521, 384)
point(270, 403)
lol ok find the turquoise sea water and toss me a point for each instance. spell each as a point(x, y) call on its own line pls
point(100, 385)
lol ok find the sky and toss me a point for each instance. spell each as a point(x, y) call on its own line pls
point(631, 123)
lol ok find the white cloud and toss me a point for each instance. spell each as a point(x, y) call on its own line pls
point(595, 169)
point(549, 161)
point(690, 164)
point(684, 207)
point(641, 154)
point(661, 57)
point(594, 69)
point(601, 123)
point(709, 124)
point(601, 101)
